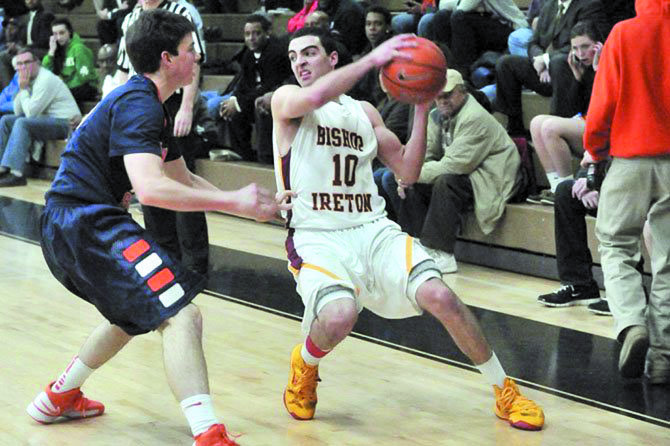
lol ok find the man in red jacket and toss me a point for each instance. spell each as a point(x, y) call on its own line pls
point(628, 119)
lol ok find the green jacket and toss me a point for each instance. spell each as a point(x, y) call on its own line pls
point(473, 143)
point(79, 67)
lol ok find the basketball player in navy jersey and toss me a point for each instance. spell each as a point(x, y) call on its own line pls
point(345, 254)
point(94, 247)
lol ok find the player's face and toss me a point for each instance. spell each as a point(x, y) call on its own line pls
point(583, 48)
point(254, 36)
point(61, 34)
point(309, 60)
point(375, 27)
point(185, 61)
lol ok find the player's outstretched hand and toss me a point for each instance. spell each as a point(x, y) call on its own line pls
point(392, 49)
point(261, 204)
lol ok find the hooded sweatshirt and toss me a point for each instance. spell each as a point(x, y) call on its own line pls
point(79, 66)
point(629, 112)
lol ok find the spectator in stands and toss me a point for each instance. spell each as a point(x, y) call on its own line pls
point(107, 62)
point(628, 120)
point(317, 19)
point(264, 67)
point(72, 60)
point(478, 26)
point(470, 163)
point(416, 19)
point(34, 29)
point(111, 14)
point(556, 138)
point(7, 96)
point(519, 39)
point(184, 234)
point(12, 41)
point(298, 20)
point(546, 70)
point(377, 30)
point(36, 26)
point(348, 19)
point(574, 201)
point(43, 109)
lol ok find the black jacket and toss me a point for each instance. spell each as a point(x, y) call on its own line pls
point(558, 37)
point(41, 29)
point(273, 67)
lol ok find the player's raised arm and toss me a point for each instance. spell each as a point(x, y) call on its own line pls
point(313, 60)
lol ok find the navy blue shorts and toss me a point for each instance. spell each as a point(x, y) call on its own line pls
point(102, 255)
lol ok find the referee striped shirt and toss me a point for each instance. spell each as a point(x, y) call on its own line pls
point(122, 59)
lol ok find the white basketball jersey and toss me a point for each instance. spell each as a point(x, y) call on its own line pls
point(329, 167)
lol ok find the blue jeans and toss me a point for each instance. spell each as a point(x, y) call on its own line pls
point(213, 101)
point(518, 41)
point(17, 134)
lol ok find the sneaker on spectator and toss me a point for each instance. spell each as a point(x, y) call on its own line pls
point(542, 197)
point(446, 262)
point(548, 199)
point(600, 308)
point(569, 295)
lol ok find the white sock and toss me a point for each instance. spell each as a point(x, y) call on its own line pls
point(16, 173)
point(553, 179)
point(493, 371)
point(199, 413)
point(308, 357)
point(73, 377)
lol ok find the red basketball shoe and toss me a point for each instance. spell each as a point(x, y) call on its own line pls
point(216, 435)
point(48, 406)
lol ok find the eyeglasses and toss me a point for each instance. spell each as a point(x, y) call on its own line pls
point(21, 63)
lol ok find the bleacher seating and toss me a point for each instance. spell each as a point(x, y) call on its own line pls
point(526, 228)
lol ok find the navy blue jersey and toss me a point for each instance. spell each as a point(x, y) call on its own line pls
point(130, 119)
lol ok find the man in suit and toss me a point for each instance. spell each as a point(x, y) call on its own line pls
point(546, 68)
point(264, 67)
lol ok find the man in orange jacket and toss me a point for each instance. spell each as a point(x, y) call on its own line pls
point(628, 119)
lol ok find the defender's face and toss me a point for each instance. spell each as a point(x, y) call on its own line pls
point(62, 35)
point(185, 60)
point(309, 60)
point(254, 36)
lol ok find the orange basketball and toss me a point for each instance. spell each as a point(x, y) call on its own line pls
point(419, 79)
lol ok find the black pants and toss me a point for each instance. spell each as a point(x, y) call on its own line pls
point(573, 257)
point(515, 72)
point(434, 212)
point(239, 128)
point(471, 34)
point(184, 234)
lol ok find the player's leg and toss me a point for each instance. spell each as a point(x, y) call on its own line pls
point(186, 371)
point(439, 300)
point(63, 397)
point(328, 293)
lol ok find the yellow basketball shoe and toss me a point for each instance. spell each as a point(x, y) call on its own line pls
point(300, 394)
point(518, 410)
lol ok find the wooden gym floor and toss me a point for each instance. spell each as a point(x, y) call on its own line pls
point(393, 383)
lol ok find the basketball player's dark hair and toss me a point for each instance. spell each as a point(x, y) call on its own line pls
point(324, 35)
point(586, 28)
point(378, 9)
point(259, 18)
point(152, 33)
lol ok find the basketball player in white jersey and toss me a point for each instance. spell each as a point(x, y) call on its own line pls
point(345, 254)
